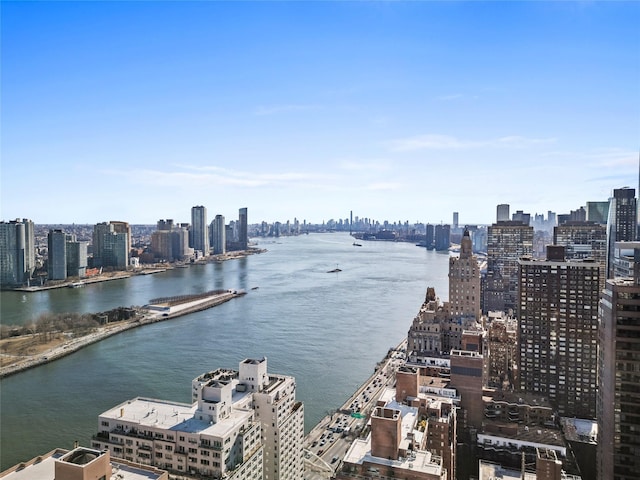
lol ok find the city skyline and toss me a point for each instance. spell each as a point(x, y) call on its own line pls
point(140, 110)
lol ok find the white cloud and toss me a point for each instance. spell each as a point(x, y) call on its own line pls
point(447, 142)
point(210, 175)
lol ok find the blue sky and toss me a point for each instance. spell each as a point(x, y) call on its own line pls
point(396, 110)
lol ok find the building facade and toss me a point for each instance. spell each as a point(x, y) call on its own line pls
point(583, 240)
point(622, 222)
point(618, 411)
point(76, 258)
point(218, 235)
point(442, 237)
point(17, 252)
point(464, 282)
point(199, 234)
point(243, 424)
point(57, 255)
point(243, 229)
point(507, 242)
point(558, 332)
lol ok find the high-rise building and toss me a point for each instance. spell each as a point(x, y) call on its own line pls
point(598, 212)
point(464, 282)
point(281, 418)
point(558, 331)
point(162, 245)
point(622, 222)
point(115, 251)
point(520, 216)
point(618, 414)
point(76, 258)
point(506, 243)
point(455, 220)
point(243, 229)
point(218, 235)
point(164, 224)
point(241, 424)
point(57, 255)
point(583, 240)
point(111, 245)
point(429, 235)
point(123, 227)
point(99, 231)
point(442, 237)
point(199, 234)
point(503, 213)
point(17, 252)
point(180, 242)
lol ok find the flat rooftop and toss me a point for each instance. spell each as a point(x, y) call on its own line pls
point(43, 468)
point(580, 430)
point(175, 416)
point(536, 435)
point(421, 461)
point(493, 471)
point(515, 398)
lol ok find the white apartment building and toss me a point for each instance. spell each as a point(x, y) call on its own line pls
point(242, 424)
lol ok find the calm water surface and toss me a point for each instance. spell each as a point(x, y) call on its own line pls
point(327, 330)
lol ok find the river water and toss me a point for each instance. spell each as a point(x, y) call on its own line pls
point(326, 329)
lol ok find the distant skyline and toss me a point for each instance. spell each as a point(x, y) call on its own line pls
point(137, 111)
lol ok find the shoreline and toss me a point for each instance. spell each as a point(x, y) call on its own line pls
point(150, 270)
point(70, 346)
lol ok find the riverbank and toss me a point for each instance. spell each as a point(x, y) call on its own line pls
point(61, 348)
point(147, 270)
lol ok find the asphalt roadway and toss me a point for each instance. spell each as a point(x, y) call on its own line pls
point(328, 442)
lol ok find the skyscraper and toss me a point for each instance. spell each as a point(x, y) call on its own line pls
point(76, 258)
point(506, 243)
point(199, 233)
point(111, 244)
point(17, 252)
point(622, 223)
point(464, 282)
point(558, 331)
point(57, 255)
point(442, 237)
point(619, 374)
point(243, 229)
point(503, 213)
point(583, 240)
point(218, 235)
point(618, 414)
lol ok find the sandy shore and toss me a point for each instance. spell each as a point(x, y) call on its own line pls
point(69, 346)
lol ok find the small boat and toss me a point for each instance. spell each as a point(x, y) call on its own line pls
point(335, 270)
point(76, 285)
point(254, 288)
point(355, 244)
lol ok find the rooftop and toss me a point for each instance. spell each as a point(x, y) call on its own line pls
point(176, 416)
point(420, 461)
point(580, 430)
point(43, 468)
point(531, 435)
point(493, 471)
